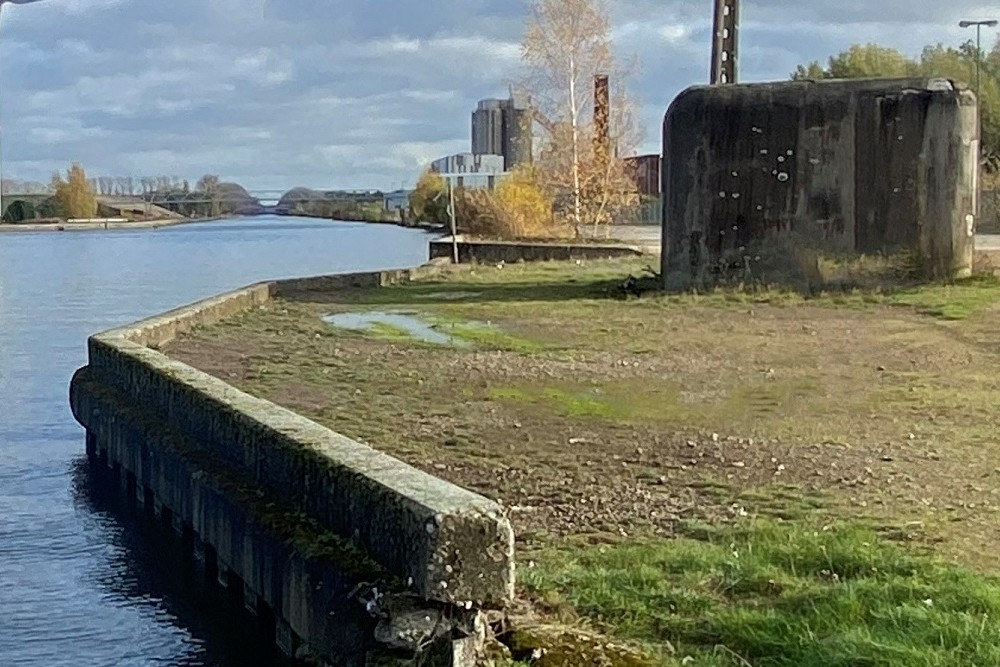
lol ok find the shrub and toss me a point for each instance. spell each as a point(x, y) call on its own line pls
point(518, 208)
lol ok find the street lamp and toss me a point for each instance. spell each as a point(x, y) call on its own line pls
point(992, 23)
point(2, 3)
point(979, 52)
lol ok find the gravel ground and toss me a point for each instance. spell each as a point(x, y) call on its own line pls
point(596, 419)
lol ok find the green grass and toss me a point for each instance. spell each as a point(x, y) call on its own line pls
point(772, 594)
point(390, 333)
point(487, 337)
point(954, 301)
point(780, 405)
point(570, 403)
point(567, 287)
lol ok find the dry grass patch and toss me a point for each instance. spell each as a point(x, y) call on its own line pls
point(602, 422)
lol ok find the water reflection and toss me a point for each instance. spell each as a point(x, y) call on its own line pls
point(411, 325)
point(79, 585)
point(145, 569)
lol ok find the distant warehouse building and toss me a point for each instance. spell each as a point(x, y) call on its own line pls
point(474, 170)
point(397, 200)
point(468, 163)
point(645, 170)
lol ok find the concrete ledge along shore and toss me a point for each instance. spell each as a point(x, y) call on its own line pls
point(204, 451)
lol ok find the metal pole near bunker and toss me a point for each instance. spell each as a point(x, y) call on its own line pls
point(451, 217)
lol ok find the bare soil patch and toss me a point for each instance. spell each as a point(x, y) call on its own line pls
point(597, 418)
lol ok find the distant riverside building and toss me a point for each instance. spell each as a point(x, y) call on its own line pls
point(469, 163)
point(397, 200)
point(503, 127)
point(476, 170)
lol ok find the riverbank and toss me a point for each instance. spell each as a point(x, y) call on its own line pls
point(759, 472)
point(170, 222)
point(79, 562)
point(102, 226)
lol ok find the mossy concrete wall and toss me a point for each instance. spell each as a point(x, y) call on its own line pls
point(250, 547)
point(228, 463)
point(841, 168)
point(484, 251)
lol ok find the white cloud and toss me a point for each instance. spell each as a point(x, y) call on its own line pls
point(674, 32)
point(395, 44)
point(335, 93)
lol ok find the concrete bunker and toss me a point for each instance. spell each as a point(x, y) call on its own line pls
point(773, 175)
point(353, 554)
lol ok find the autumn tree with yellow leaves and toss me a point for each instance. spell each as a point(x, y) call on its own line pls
point(429, 199)
point(519, 207)
point(74, 196)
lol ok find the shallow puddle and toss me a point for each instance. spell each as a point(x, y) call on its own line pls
point(415, 326)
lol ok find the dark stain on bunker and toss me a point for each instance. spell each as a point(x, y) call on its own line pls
point(862, 167)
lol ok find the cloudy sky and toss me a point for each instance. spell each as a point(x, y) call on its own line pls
point(348, 94)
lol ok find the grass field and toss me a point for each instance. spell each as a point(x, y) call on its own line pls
point(730, 478)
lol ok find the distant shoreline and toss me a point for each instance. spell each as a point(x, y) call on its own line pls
point(101, 226)
point(173, 222)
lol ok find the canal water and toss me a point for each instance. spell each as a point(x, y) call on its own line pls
point(80, 583)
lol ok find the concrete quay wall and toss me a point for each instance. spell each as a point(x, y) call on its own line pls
point(260, 561)
point(484, 251)
point(277, 496)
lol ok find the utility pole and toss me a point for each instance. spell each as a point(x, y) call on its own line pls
point(451, 218)
point(725, 42)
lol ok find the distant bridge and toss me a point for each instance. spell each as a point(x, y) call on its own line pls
point(264, 197)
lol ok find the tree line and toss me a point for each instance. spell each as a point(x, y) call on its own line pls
point(131, 186)
point(361, 207)
point(956, 63)
point(75, 195)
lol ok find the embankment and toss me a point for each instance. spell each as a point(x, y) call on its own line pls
point(350, 551)
point(99, 226)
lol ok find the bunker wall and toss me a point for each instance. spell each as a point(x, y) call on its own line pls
point(837, 167)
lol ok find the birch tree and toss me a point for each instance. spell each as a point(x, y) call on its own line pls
point(567, 43)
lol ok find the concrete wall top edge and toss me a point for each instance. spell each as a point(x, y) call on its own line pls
point(930, 84)
point(473, 241)
point(135, 330)
point(800, 92)
point(432, 492)
point(468, 523)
